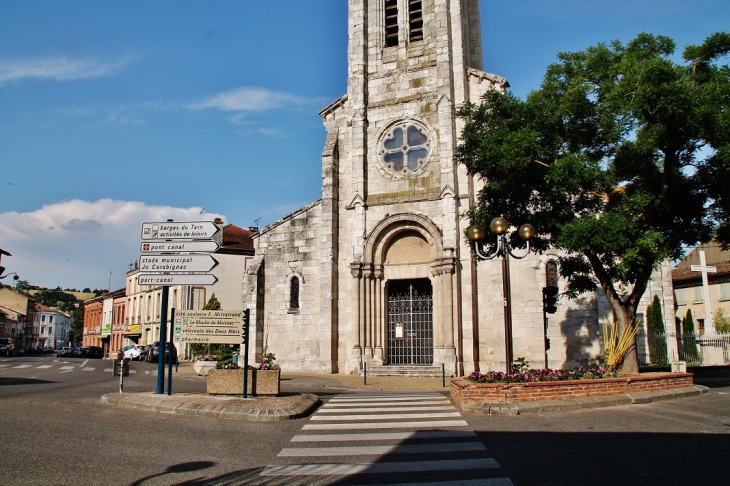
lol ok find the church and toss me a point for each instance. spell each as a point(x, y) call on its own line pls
point(378, 272)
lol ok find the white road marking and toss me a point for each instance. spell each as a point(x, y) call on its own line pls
point(387, 416)
point(381, 450)
point(421, 434)
point(378, 467)
point(388, 425)
point(43, 367)
point(22, 366)
point(384, 409)
point(88, 369)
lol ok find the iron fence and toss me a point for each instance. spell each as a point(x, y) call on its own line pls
point(695, 349)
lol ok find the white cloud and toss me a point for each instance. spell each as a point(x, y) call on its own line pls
point(248, 98)
point(58, 68)
point(75, 243)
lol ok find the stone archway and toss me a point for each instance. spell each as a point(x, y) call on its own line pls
point(401, 246)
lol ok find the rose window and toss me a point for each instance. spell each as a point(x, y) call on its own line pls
point(405, 148)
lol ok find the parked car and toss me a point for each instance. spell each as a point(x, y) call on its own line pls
point(48, 350)
point(65, 352)
point(154, 353)
point(3, 349)
point(94, 352)
point(18, 351)
point(144, 351)
point(76, 352)
point(132, 352)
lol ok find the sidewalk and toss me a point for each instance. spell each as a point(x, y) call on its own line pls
point(298, 398)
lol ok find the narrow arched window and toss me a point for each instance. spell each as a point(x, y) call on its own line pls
point(551, 274)
point(294, 293)
point(391, 23)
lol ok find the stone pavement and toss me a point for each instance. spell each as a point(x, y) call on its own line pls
point(299, 399)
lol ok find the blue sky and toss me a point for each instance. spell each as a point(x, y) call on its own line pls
point(114, 113)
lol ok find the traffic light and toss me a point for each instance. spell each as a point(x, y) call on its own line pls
point(246, 320)
point(549, 299)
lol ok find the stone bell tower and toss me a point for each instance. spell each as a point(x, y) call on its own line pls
point(396, 187)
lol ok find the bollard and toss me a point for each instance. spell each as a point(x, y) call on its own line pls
point(443, 375)
point(364, 373)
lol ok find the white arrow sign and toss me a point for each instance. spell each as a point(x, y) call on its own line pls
point(177, 279)
point(179, 230)
point(179, 246)
point(176, 263)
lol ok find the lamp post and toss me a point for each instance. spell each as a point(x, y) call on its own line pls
point(499, 227)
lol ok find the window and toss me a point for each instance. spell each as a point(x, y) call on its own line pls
point(415, 20)
point(43, 329)
point(697, 295)
point(680, 296)
point(50, 331)
point(391, 23)
point(50, 319)
point(294, 293)
point(404, 148)
point(725, 291)
point(43, 318)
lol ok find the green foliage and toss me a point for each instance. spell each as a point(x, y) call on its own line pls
point(689, 342)
point(56, 298)
point(721, 321)
point(655, 326)
point(213, 303)
point(618, 160)
point(77, 326)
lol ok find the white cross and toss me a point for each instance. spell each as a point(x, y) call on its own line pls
point(702, 267)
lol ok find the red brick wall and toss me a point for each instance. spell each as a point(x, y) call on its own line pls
point(464, 391)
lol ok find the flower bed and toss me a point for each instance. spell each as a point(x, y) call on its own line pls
point(230, 382)
point(464, 391)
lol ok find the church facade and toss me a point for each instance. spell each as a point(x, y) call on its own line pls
point(377, 270)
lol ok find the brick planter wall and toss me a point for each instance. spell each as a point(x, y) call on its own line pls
point(464, 391)
point(230, 382)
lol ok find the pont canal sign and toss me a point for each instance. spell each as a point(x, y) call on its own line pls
point(180, 230)
point(205, 246)
point(177, 263)
point(176, 279)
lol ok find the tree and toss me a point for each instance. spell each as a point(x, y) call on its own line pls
point(56, 298)
point(689, 342)
point(77, 326)
point(619, 159)
point(655, 329)
point(721, 321)
point(212, 304)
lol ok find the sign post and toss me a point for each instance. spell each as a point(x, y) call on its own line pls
point(246, 319)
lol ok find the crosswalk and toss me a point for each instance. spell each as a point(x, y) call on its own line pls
point(393, 437)
point(62, 367)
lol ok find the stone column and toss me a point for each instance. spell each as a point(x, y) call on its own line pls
point(447, 290)
point(368, 318)
point(379, 323)
point(356, 359)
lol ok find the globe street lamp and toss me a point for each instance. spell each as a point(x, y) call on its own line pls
point(499, 226)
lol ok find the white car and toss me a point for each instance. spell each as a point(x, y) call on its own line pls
point(132, 352)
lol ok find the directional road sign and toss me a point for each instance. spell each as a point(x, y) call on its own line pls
point(177, 279)
point(178, 246)
point(208, 326)
point(180, 230)
point(176, 263)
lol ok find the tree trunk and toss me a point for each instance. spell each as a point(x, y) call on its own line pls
point(625, 316)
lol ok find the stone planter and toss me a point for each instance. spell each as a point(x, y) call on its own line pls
point(230, 382)
point(202, 368)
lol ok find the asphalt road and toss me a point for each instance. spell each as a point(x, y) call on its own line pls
point(56, 431)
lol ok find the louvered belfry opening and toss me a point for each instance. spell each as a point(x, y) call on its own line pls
point(391, 23)
point(415, 20)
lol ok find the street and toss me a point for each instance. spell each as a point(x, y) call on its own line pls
point(57, 431)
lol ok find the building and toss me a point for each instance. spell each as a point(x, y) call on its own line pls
point(688, 290)
point(17, 318)
point(93, 317)
point(377, 270)
point(54, 326)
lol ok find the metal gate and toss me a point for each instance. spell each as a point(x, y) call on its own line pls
point(410, 322)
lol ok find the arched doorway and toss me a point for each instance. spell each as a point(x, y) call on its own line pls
point(410, 322)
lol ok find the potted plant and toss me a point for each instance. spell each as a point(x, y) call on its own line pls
point(263, 378)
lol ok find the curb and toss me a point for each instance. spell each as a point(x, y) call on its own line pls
point(153, 403)
point(566, 404)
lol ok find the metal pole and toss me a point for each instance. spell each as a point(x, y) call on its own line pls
point(163, 340)
point(545, 327)
point(121, 375)
point(245, 357)
point(169, 366)
point(443, 375)
point(507, 305)
point(364, 373)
